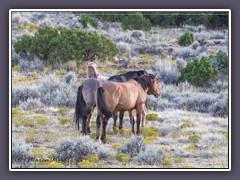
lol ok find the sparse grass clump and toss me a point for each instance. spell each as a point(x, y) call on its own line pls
point(62, 111)
point(38, 153)
point(149, 131)
point(48, 137)
point(87, 164)
point(123, 157)
point(31, 137)
point(116, 145)
point(194, 138)
point(167, 161)
point(187, 124)
point(25, 121)
point(16, 68)
point(64, 120)
point(55, 164)
point(178, 160)
point(40, 119)
point(152, 116)
point(16, 111)
point(91, 157)
point(175, 134)
point(225, 133)
point(149, 139)
point(192, 147)
point(186, 166)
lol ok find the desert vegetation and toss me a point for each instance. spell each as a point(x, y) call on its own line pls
point(186, 127)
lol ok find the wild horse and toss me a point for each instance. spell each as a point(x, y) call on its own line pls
point(125, 96)
point(86, 101)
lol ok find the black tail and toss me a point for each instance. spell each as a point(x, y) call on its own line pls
point(101, 104)
point(80, 107)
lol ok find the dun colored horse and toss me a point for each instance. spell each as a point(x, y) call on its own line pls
point(86, 101)
point(125, 96)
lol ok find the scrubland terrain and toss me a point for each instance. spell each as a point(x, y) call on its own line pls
point(186, 127)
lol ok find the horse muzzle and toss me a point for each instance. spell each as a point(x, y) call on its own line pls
point(156, 94)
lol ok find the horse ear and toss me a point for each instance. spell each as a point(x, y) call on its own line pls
point(155, 76)
point(145, 72)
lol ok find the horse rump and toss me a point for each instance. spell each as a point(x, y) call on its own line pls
point(101, 104)
point(80, 107)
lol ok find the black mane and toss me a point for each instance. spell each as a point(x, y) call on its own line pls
point(128, 75)
point(144, 80)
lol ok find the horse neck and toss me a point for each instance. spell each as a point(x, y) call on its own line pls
point(143, 83)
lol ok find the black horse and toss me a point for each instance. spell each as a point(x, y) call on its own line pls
point(86, 101)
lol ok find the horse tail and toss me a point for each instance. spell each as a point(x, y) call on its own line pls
point(101, 104)
point(80, 107)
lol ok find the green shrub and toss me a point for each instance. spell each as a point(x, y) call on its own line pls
point(136, 21)
point(85, 19)
point(220, 62)
point(110, 16)
point(186, 39)
point(60, 46)
point(198, 72)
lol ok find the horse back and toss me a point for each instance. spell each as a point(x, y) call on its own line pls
point(89, 89)
point(122, 96)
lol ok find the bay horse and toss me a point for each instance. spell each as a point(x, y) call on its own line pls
point(86, 101)
point(125, 96)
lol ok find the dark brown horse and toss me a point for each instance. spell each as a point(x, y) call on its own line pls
point(125, 96)
point(86, 101)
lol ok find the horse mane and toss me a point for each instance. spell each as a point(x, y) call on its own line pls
point(127, 75)
point(144, 80)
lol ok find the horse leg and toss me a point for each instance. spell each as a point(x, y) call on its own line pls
point(98, 125)
point(139, 117)
point(143, 117)
point(84, 120)
point(103, 137)
point(89, 121)
point(131, 120)
point(114, 120)
point(121, 114)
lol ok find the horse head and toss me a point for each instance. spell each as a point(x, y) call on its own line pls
point(154, 87)
point(92, 70)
